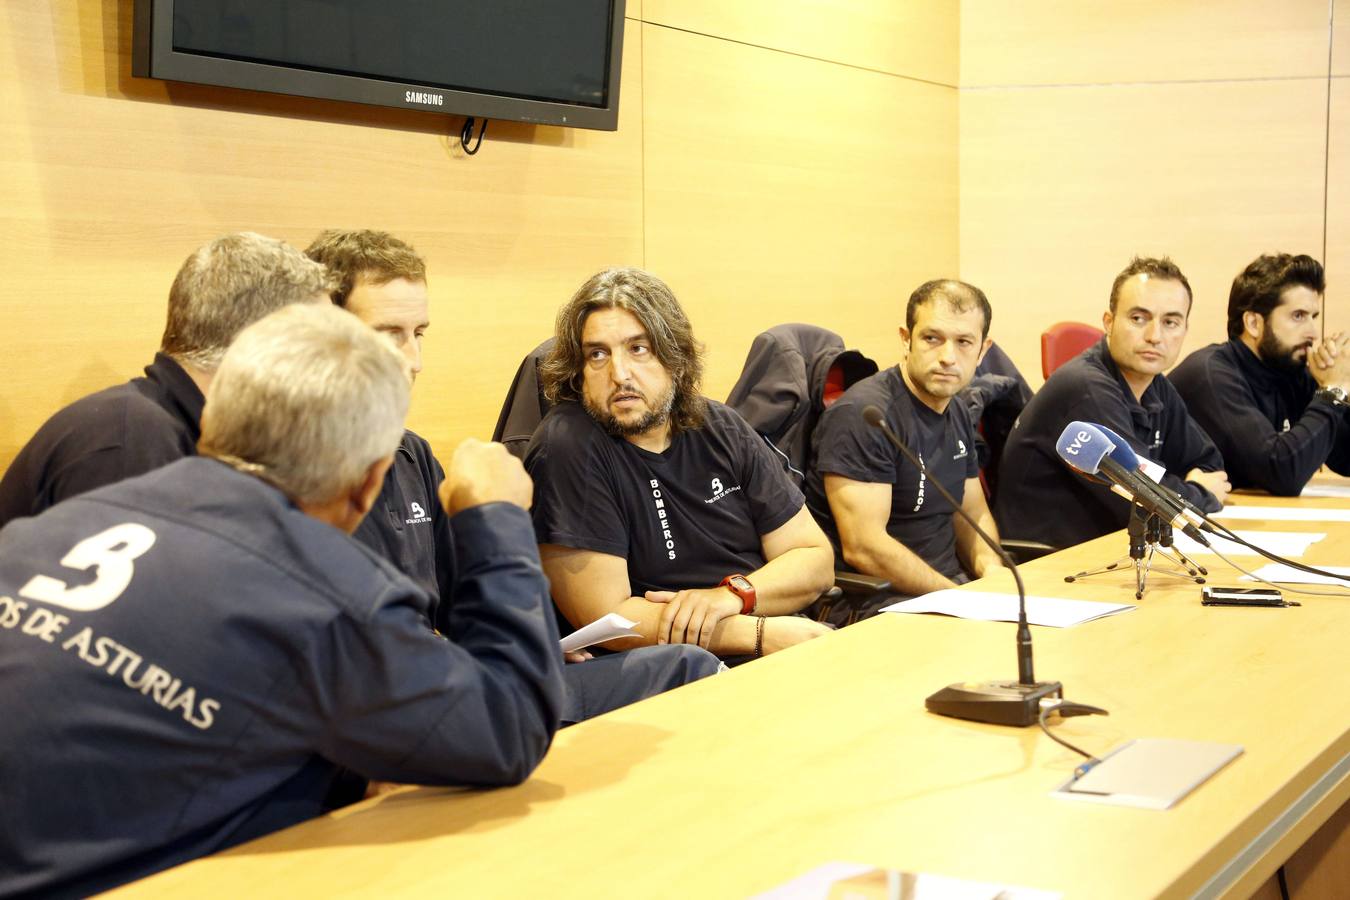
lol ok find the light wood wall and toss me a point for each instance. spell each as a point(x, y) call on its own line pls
point(809, 162)
point(1092, 131)
point(774, 161)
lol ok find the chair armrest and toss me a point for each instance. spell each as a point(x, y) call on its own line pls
point(858, 583)
point(1025, 551)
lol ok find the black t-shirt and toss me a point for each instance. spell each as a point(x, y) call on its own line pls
point(1271, 432)
point(684, 518)
point(1041, 499)
point(843, 444)
point(117, 433)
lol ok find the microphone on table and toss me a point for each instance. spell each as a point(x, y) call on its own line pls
point(1088, 449)
point(996, 702)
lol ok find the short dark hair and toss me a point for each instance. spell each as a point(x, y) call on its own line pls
point(1153, 267)
point(1259, 287)
point(376, 256)
point(959, 295)
point(653, 304)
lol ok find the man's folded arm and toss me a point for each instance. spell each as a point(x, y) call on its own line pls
point(477, 707)
point(588, 585)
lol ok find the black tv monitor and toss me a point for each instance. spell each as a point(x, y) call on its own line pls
point(553, 62)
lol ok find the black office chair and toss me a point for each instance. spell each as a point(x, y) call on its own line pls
point(525, 404)
point(792, 374)
point(995, 398)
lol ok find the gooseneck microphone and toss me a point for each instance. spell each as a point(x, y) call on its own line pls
point(1086, 448)
point(996, 702)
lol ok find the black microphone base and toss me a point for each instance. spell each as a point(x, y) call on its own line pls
point(995, 702)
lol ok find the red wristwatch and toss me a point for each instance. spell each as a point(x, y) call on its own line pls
point(741, 587)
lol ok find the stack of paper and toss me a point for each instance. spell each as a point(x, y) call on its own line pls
point(1289, 544)
point(991, 607)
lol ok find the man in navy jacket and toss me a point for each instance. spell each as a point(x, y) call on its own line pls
point(192, 654)
point(1274, 397)
point(1115, 383)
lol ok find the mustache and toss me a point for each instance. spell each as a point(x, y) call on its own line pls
point(626, 390)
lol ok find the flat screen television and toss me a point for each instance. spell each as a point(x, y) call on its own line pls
point(553, 62)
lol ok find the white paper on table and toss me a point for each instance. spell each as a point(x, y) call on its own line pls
point(601, 630)
point(866, 880)
point(1153, 773)
point(1282, 574)
point(987, 606)
point(1283, 513)
point(1289, 544)
point(818, 883)
point(1341, 491)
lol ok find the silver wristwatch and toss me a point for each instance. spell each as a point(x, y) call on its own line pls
point(1333, 395)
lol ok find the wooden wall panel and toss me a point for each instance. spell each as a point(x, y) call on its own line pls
point(785, 189)
point(1059, 187)
point(1340, 33)
point(916, 38)
point(1338, 208)
point(1105, 41)
point(109, 182)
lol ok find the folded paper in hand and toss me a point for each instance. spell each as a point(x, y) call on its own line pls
point(601, 630)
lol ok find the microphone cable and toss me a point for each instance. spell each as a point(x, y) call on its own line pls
point(1220, 530)
point(1066, 708)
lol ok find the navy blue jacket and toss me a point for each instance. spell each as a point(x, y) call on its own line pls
point(200, 689)
point(1272, 433)
point(1042, 499)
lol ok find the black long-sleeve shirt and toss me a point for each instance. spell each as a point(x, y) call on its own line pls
point(1272, 433)
point(1041, 499)
point(117, 433)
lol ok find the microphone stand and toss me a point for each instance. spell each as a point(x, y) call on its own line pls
point(1017, 702)
point(1149, 535)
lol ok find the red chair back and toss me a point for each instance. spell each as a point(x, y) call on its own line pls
point(835, 385)
point(1063, 341)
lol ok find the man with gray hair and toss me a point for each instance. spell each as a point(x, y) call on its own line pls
point(148, 422)
point(201, 647)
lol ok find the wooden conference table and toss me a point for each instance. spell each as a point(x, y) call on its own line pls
point(738, 783)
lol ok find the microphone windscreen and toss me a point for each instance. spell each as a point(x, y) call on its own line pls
point(873, 416)
point(1122, 453)
point(1083, 446)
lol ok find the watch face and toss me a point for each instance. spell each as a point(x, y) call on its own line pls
point(740, 583)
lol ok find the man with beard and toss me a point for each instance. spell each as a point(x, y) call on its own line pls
point(1273, 397)
point(1114, 383)
point(654, 502)
point(881, 515)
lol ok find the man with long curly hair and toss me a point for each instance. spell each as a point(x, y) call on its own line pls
point(653, 501)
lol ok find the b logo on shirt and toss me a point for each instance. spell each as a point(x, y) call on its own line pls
point(719, 491)
point(419, 515)
point(961, 451)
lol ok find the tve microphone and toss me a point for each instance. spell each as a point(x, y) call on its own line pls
point(1084, 447)
point(1125, 455)
point(997, 702)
